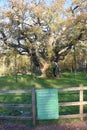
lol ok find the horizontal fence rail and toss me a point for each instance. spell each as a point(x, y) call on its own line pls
point(32, 105)
point(73, 88)
point(16, 117)
point(80, 103)
point(15, 91)
point(16, 105)
point(73, 103)
point(79, 90)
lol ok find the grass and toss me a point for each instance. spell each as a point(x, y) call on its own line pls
point(26, 81)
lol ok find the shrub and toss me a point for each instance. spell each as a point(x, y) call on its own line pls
point(50, 72)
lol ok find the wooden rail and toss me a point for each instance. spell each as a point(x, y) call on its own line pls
point(73, 88)
point(15, 91)
point(16, 105)
point(32, 105)
point(16, 117)
point(81, 102)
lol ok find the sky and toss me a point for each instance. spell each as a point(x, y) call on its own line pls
point(2, 2)
point(68, 3)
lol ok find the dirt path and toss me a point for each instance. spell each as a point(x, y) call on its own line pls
point(65, 126)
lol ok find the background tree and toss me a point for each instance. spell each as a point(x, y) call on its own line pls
point(46, 33)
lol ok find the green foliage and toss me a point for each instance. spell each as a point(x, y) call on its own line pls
point(49, 72)
point(51, 32)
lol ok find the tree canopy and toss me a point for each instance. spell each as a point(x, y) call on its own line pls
point(45, 32)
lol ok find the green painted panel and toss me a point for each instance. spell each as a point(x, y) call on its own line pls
point(47, 104)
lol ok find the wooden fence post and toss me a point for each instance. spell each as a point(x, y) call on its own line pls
point(81, 101)
point(33, 106)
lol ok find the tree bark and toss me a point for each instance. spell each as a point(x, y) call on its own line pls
point(43, 69)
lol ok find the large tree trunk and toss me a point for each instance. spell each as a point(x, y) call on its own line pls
point(56, 70)
point(43, 69)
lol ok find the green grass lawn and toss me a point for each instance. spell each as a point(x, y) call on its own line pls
point(27, 81)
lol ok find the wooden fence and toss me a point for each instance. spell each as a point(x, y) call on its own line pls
point(80, 103)
point(32, 105)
